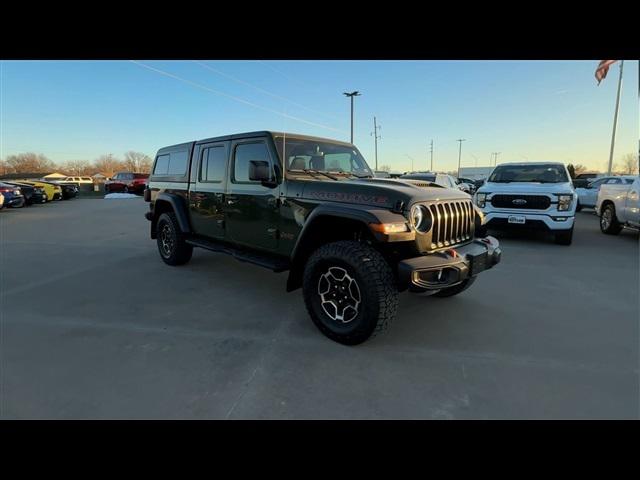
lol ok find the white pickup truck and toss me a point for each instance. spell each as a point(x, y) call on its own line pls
point(618, 206)
point(536, 195)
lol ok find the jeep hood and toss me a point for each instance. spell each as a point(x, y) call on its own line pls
point(378, 192)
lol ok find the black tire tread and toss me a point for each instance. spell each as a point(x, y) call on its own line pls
point(615, 228)
point(183, 250)
point(378, 278)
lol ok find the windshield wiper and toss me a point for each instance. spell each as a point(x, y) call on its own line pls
point(311, 172)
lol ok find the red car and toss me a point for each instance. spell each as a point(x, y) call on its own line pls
point(127, 182)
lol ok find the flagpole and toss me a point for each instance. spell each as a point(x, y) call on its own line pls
point(615, 119)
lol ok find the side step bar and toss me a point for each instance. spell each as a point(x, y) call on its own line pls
point(262, 259)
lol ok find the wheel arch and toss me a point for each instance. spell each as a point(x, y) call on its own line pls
point(331, 223)
point(166, 202)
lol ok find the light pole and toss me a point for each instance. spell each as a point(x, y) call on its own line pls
point(411, 161)
point(431, 151)
point(351, 95)
point(460, 140)
point(495, 161)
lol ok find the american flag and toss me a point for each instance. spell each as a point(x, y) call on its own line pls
point(603, 68)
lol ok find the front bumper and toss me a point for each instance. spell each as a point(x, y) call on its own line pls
point(445, 269)
point(558, 221)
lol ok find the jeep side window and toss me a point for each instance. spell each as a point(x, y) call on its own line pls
point(162, 165)
point(245, 153)
point(213, 164)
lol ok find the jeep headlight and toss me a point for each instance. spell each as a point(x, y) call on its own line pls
point(564, 202)
point(481, 199)
point(421, 218)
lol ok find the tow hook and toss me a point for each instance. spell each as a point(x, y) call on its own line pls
point(452, 252)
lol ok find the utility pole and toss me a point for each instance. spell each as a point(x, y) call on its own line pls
point(351, 95)
point(375, 138)
point(460, 140)
point(431, 170)
point(411, 160)
point(495, 162)
point(615, 119)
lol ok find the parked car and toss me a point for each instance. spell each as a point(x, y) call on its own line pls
point(32, 193)
point(76, 180)
point(69, 189)
point(13, 196)
point(312, 206)
point(583, 180)
point(126, 182)
point(471, 184)
point(537, 195)
point(381, 174)
point(442, 179)
point(588, 196)
point(53, 191)
point(618, 206)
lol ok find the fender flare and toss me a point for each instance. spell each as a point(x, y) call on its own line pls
point(362, 214)
point(179, 208)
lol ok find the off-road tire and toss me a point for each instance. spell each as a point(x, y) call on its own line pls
point(564, 237)
point(375, 282)
point(179, 252)
point(613, 227)
point(456, 289)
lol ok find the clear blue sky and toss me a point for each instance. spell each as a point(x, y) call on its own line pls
point(528, 110)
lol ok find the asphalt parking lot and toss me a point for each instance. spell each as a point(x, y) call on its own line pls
point(95, 325)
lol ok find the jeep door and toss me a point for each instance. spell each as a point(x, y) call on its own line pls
point(206, 196)
point(251, 209)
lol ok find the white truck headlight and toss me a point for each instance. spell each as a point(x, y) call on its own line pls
point(564, 202)
point(481, 199)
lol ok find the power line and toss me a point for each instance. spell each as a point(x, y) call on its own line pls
point(266, 92)
point(237, 99)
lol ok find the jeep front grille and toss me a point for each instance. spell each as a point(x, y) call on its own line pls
point(452, 223)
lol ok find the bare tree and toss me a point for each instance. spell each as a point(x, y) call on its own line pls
point(29, 162)
point(4, 168)
point(629, 164)
point(108, 165)
point(578, 169)
point(137, 162)
point(384, 168)
point(77, 167)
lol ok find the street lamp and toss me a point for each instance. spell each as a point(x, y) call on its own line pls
point(411, 160)
point(351, 95)
point(460, 140)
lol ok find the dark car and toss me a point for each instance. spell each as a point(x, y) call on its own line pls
point(312, 206)
point(69, 190)
point(127, 182)
point(13, 196)
point(32, 194)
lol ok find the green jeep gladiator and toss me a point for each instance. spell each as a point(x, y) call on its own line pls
point(312, 206)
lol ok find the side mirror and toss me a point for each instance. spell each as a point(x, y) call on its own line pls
point(259, 171)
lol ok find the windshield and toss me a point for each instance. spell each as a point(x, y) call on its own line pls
point(529, 173)
point(417, 176)
point(311, 155)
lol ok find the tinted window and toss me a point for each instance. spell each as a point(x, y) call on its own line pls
point(244, 154)
point(213, 164)
point(178, 163)
point(338, 162)
point(549, 173)
point(628, 181)
point(613, 181)
point(162, 165)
